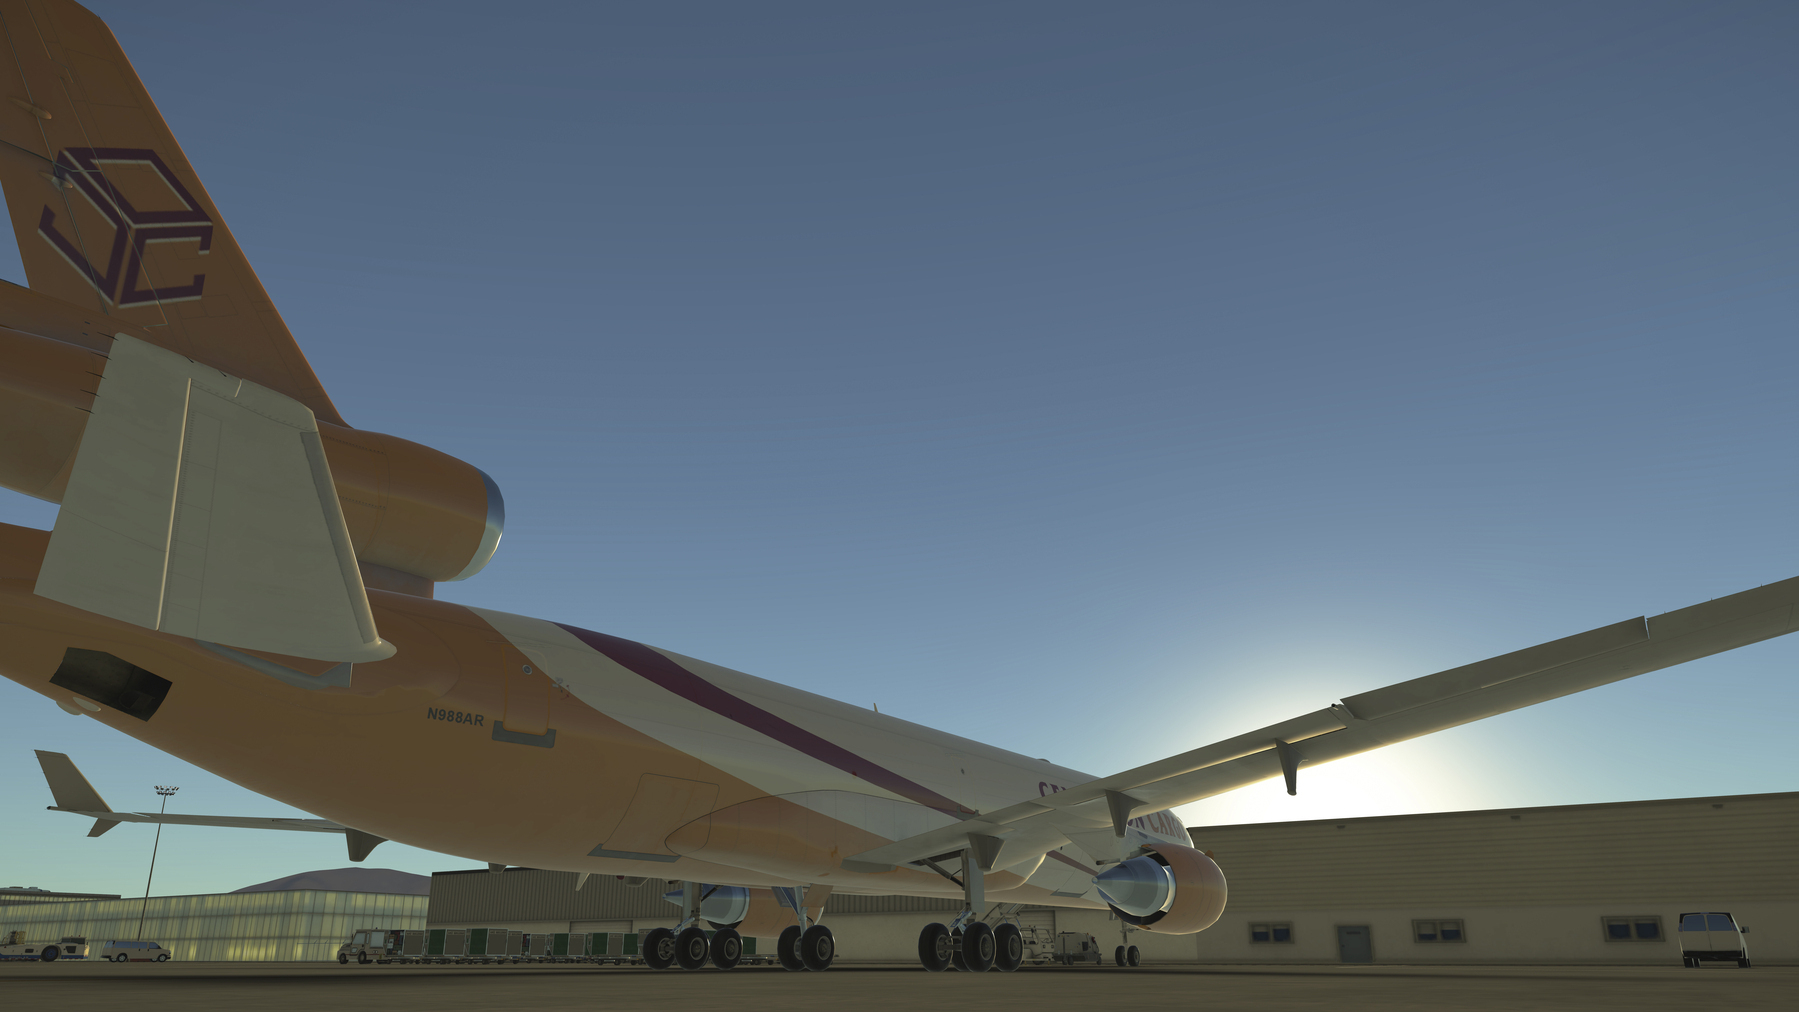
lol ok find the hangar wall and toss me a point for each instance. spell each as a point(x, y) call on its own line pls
point(1523, 885)
point(1526, 885)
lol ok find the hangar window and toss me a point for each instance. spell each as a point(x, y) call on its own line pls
point(1438, 931)
point(1271, 932)
point(1641, 928)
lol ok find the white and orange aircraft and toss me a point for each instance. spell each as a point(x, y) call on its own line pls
point(238, 577)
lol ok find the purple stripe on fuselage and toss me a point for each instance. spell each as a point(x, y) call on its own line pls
point(659, 668)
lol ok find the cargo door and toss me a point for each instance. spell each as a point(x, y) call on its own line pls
point(527, 696)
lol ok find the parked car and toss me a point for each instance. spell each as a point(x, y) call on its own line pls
point(1712, 937)
point(134, 952)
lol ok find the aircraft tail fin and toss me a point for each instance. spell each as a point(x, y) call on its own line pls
point(111, 217)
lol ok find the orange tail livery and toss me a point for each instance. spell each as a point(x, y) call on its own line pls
point(239, 578)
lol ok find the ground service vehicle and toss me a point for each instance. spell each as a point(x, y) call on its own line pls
point(134, 952)
point(1712, 937)
point(233, 565)
point(16, 947)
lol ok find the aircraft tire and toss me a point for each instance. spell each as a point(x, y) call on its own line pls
point(978, 948)
point(1008, 947)
point(818, 947)
point(727, 948)
point(787, 948)
point(1132, 957)
point(1118, 956)
point(692, 949)
point(659, 948)
point(935, 947)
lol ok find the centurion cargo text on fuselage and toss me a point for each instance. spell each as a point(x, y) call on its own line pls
point(240, 578)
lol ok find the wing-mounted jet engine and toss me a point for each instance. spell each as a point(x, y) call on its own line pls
point(1169, 888)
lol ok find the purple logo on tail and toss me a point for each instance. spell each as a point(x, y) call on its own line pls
point(121, 281)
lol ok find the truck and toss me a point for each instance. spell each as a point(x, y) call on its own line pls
point(14, 946)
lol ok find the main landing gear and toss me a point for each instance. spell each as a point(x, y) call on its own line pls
point(687, 946)
point(966, 943)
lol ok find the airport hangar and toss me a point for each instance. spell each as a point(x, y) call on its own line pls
point(1576, 884)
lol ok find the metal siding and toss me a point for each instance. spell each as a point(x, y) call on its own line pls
point(1732, 848)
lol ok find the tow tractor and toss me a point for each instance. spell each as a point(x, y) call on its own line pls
point(16, 947)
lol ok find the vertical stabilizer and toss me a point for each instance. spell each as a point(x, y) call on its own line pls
point(110, 216)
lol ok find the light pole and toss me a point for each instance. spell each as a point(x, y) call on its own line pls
point(166, 792)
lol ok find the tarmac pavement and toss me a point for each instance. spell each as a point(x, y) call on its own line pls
point(67, 986)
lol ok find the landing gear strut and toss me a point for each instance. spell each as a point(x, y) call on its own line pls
point(967, 943)
point(807, 945)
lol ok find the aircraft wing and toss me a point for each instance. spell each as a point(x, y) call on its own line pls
point(75, 795)
point(1359, 723)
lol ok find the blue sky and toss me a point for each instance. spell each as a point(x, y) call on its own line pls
point(1096, 380)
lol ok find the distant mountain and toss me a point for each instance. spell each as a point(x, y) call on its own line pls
point(348, 880)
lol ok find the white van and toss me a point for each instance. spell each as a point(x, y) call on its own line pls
point(1712, 937)
point(134, 952)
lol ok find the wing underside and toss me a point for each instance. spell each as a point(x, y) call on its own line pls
point(1359, 723)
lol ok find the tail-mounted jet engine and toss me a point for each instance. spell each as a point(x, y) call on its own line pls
point(406, 508)
point(1169, 888)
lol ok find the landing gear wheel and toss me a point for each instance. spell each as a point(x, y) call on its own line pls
point(1118, 956)
point(343, 960)
point(788, 948)
point(818, 947)
point(978, 948)
point(1008, 947)
point(727, 948)
point(659, 948)
point(691, 948)
point(956, 962)
point(1132, 957)
point(935, 947)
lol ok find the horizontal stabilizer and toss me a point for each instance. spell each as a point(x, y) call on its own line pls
point(76, 796)
point(202, 505)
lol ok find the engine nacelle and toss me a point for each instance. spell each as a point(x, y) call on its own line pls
point(1172, 889)
point(755, 913)
point(407, 507)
